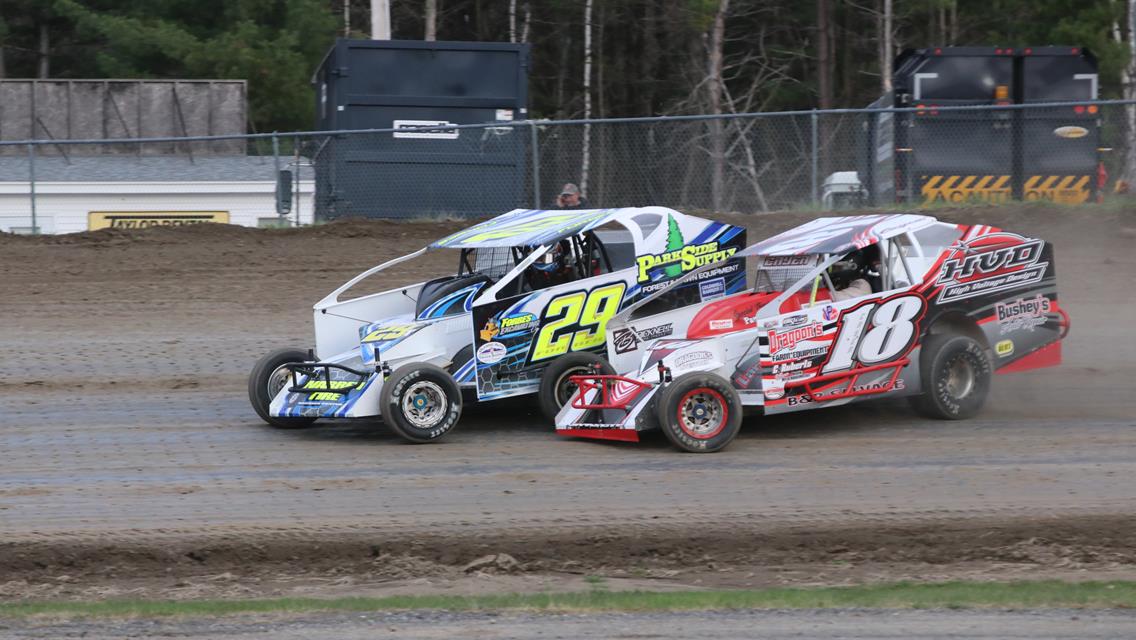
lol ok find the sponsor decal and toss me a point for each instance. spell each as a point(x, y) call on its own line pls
point(491, 352)
point(515, 323)
point(806, 398)
point(712, 289)
point(727, 323)
point(1071, 132)
point(687, 360)
point(786, 261)
point(782, 340)
point(775, 393)
point(626, 340)
point(146, 219)
point(1003, 261)
point(743, 379)
point(804, 354)
point(1004, 348)
point(786, 370)
point(390, 332)
point(828, 313)
point(685, 259)
point(794, 321)
point(1023, 313)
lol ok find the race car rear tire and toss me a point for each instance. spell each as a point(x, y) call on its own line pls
point(955, 372)
point(699, 412)
point(421, 402)
point(267, 379)
point(556, 389)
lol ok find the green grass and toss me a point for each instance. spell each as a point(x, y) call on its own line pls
point(952, 595)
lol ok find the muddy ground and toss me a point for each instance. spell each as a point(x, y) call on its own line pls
point(132, 466)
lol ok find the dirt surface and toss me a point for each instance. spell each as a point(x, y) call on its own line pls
point(132, 465)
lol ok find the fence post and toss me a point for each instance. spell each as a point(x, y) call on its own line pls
point(814, 153)
point(535, 143)
point(276, 176)
point(31, 186)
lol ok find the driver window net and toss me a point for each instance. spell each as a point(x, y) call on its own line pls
point(777, 278)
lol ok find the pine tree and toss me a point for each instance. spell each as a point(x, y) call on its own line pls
point(674, 243)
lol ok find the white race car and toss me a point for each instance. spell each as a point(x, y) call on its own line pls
point(842, 309)
point(526, 309)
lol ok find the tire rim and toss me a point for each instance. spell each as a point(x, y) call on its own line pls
point(565, 388)
point(702, 413)
point(277, 381)
point(424, 404)
point(960, 378)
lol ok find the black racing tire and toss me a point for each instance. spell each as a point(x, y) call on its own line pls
point(267, 379)
point(955, 373)
point(556, 389)
point(699, 412)
point(421, 402)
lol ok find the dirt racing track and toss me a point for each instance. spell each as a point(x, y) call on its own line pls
point(130, 454)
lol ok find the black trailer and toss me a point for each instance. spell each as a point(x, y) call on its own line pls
point(931, 155)
point(405, 84)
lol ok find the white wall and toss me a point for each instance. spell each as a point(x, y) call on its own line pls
point(62, 207)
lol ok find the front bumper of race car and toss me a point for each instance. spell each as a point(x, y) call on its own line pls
point(609, 407)
point(329, 390)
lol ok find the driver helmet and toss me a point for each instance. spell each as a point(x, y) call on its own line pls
point(844, 271)
point(553, 260)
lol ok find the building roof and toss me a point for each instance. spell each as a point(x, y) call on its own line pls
point(132, 168)
point(838, 235)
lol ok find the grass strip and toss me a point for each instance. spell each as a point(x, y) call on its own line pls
point(901, 595)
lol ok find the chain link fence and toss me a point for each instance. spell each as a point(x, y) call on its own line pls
point(747, 163)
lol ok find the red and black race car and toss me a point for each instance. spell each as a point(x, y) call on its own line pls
point(842, 309)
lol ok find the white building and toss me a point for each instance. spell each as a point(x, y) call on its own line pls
point(81, 193)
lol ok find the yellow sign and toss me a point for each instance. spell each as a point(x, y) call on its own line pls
point(966, 189)
point(147, 219)
point(1063, 189)
point(689, 257)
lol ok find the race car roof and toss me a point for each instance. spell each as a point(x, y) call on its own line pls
point(533, 227)
point(838, 235)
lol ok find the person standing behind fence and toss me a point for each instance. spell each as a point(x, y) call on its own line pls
point(570, 198)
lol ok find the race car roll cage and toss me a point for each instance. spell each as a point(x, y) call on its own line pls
point(587, 251)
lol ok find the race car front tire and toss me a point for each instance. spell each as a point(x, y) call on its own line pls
point(267, 379)
point(421, 402)
point(700, 412)
point(556, 389)
point(956, 373)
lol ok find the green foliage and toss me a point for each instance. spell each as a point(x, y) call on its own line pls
point(903, 595)
point(274, 44)
point(649, 56)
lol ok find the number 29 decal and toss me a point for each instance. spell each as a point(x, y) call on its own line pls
point(873, 333)
point(576, 321)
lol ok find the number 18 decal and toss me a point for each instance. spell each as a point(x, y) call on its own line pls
point(576, 321)
point(875, 333)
